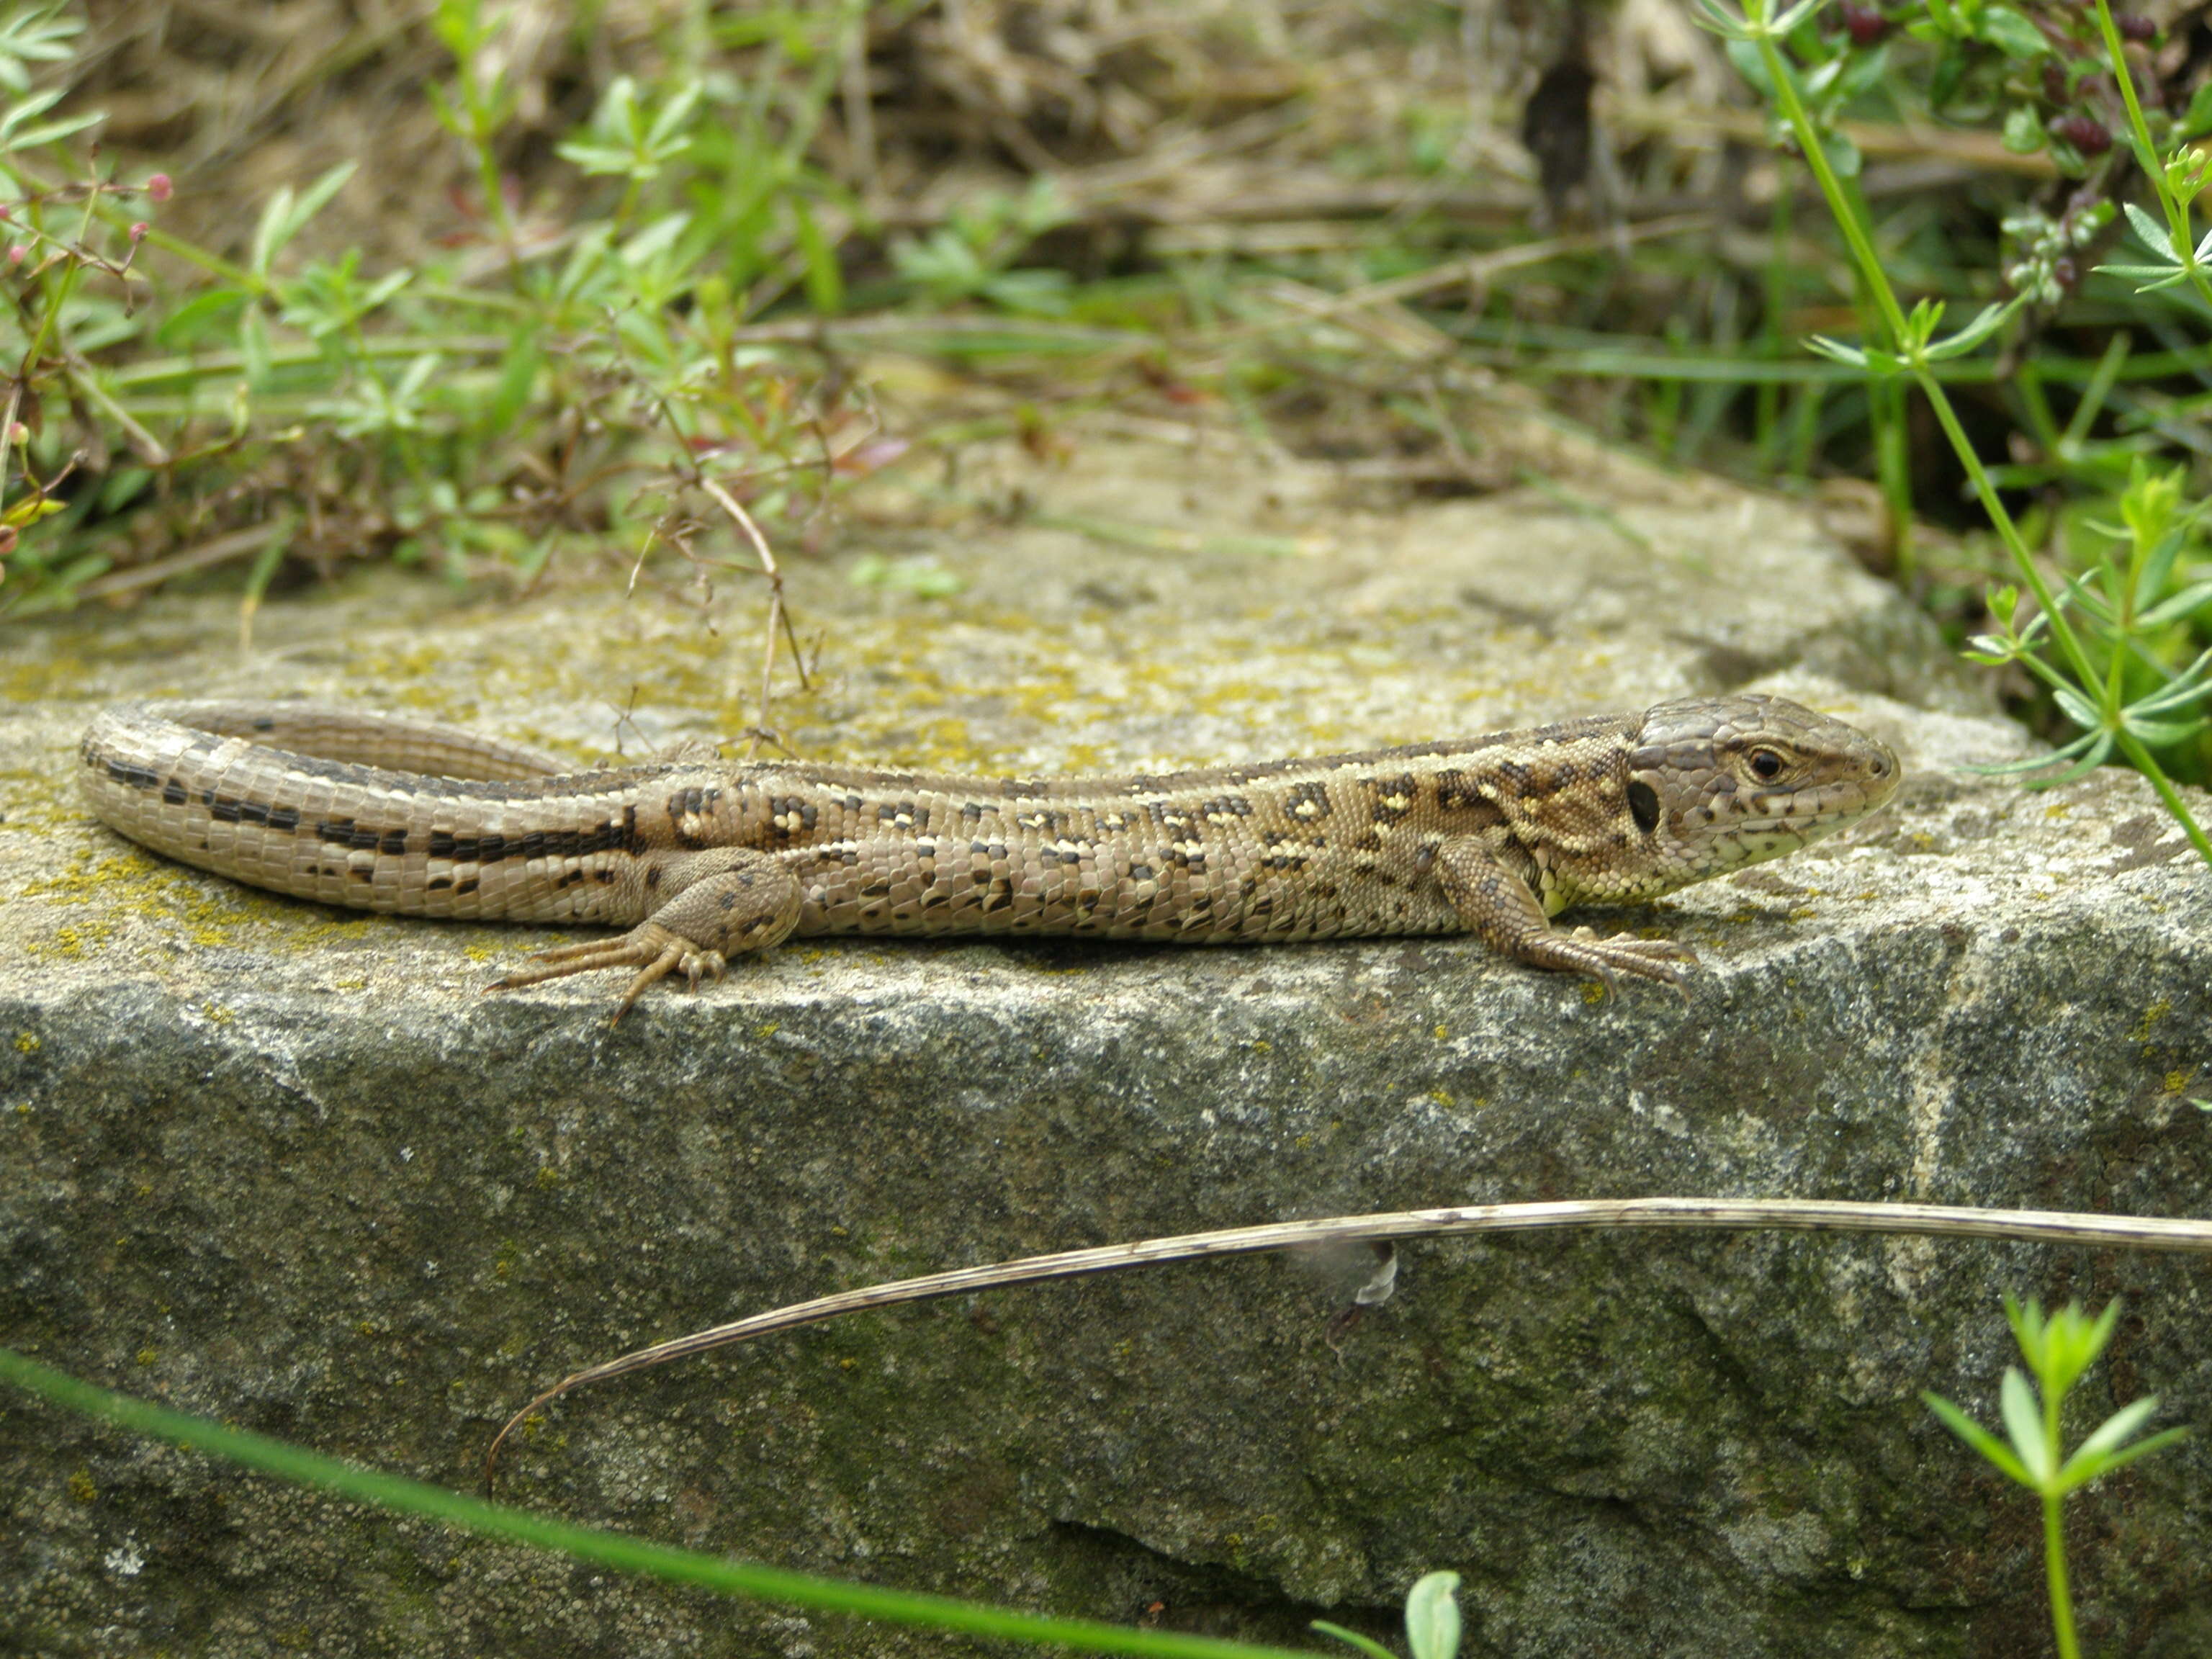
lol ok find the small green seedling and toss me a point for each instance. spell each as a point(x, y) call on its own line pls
point(2058, 1349)
point(1431, 1622)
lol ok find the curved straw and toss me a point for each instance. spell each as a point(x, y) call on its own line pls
point(1792, 1215)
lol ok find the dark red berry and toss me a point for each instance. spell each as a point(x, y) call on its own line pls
point(2133, 25)
point(1866, 23)
point(2065, 272)
point(2085, 132)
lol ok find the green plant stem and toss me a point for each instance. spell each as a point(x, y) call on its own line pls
point(391, 1491)
point(190, 252)
point(2054, 1568)
point(2176, 211)
point(1856, 233)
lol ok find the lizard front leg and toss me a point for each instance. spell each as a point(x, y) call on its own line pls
point(1496, 904)
point(721, 903)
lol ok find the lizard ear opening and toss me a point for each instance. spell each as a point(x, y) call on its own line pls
point(1643, 805)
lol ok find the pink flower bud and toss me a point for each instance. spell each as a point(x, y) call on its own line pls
point(138, 231)
point(17, 253)
point(158, 187)
point(19, 434)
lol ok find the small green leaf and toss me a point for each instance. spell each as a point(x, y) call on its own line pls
point(2151, 233)
point(1433, 1617)
point(1744, 53)
point(2099, 751)
point(254, 346)
point(2114, 1432)
point(1991, 320)
point(1865, 71)
point(1836, 350)
point(2179, 605)
point(1842, 153)
point(2158, 734)
point(2084, 714)
point(2023, 130)
point(2196, 120)
point(2012, 33)
point(2023, 1421)
point(2127, 1454)
point(1976, 1436)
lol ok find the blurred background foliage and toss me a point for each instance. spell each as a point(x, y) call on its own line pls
point(648, 288)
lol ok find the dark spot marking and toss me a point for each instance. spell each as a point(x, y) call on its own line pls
point(892, 811)
point(1140, 873)
point(1643, 805)
point(1311, 794)
point(786, 811)
point(173, 793)
point(653, 877)
point(466, 884)
point(440, 883)
point(877, 890)
point(224, 810)
point(138, 777)
point(355, 838)
point(568, 879)
point(729, 901)
point(1227, 806)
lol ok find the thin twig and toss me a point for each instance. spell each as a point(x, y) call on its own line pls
point(1788, 1215)
point(779, 619)
point(221, 550)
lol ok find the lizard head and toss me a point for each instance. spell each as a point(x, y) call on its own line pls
point(1716, 782)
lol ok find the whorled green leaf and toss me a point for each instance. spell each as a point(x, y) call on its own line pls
point(2024, 1428)
point(2079, 709)
point(1991, 1448)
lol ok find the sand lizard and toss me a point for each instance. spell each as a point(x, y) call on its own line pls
point(702, 861)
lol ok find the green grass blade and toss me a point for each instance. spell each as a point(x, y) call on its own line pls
point(394, 1493)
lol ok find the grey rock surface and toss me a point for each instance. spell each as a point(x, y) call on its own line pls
point(286, 1167)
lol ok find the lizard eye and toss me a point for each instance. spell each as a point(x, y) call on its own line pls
point(1765, 765)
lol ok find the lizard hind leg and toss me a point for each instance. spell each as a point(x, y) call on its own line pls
point(726, 902)
point(1496, 904)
